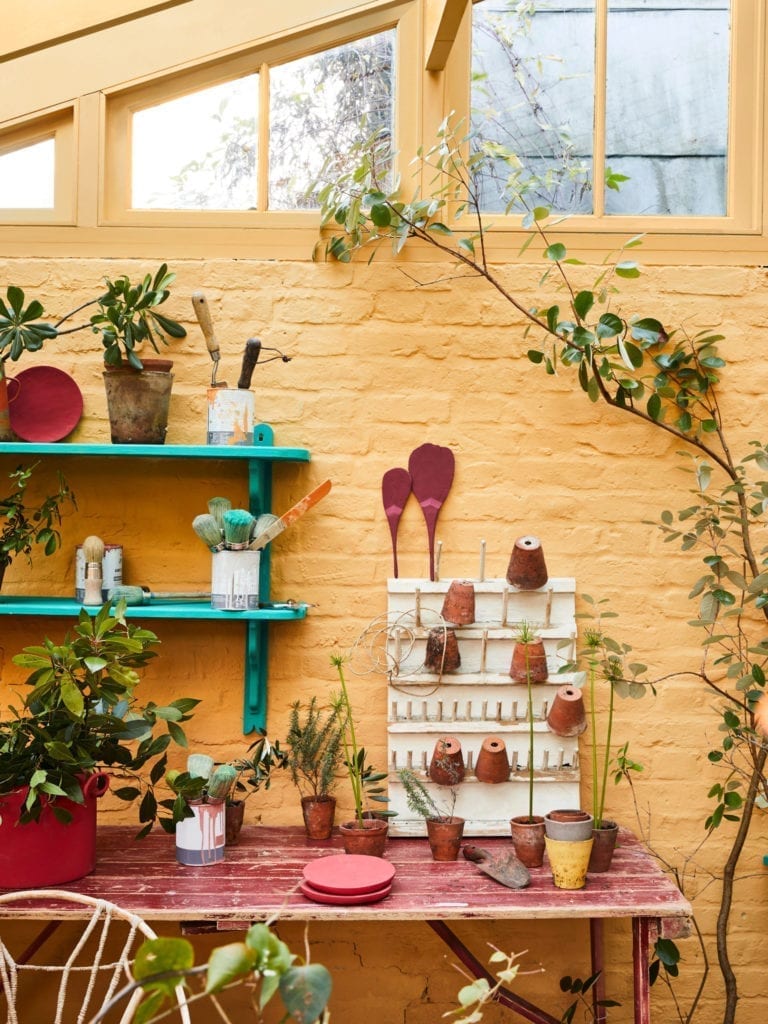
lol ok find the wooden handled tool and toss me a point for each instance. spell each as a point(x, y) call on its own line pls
point(143, 595)
point(290, 516)
point(250, 358)
point(203, 314)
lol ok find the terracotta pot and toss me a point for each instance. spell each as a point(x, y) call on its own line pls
point(568, 862)
point(604, 843)
point(442, 653)
point(138, 402)
point(527, 569)
point(492, 761)
point(318, 813)
point(447, 765)
point(459, 603)
point(445, 835)
point(370, 840)
point(233, 822)
point(566, 825)
point(529, 660)
point(567, 716)
point(528, 839)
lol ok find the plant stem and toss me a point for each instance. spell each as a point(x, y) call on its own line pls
point(350, 747)
point(530, 733)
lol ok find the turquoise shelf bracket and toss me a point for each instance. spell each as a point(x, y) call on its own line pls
point(255, 685)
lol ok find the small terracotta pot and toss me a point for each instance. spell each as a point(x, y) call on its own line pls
point(529, 660)
point(442, 653)
point(370, 840)
point(492, 761)
point(447, 765)
point(567, 716)
point(603, 845)
point(568, 862)
point(445, 837)
point(527, 569)
point(528, 839)
point(318, 813)
point(459, 603)
point(233, 822)
point(567, 825)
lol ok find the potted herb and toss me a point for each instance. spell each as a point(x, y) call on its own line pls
point(22, 524)
point(253, 772)
point(444, 829)
point(528, 829)
point(366, 833)
point(138, 393)
point(314, 744)
point(78, 724)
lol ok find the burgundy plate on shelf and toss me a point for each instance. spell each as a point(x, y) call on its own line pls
point(349, 874)
point(340, 899)
point(44, 404)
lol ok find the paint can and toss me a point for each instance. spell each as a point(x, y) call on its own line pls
point(235, 580)
point(231, 414)
point(111, 570)
point(200, 839)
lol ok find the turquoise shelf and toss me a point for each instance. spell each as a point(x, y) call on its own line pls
point(259, 458)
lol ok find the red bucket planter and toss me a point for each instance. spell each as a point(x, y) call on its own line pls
point(48, 851)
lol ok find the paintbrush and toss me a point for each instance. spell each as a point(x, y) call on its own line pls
point(93, 552)
point(217, 507)
point(237, 528)
point(209, 533)
point(143, 595)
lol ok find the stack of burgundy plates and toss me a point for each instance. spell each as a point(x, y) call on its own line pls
point(347, 878)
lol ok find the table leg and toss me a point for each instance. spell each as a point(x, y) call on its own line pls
point(596, 948)
point(508, 999)
point(641, 940)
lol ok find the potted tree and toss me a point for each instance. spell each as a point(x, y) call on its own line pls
point(444, 829)
point(78, 724)
point(367, 832)
point(22, 524)
point(138, 393)
point(314, 744)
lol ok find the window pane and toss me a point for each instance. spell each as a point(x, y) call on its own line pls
point(27, 177)
point(533, 93)
point(198, 152)
point(321, 105)
point(667, 106)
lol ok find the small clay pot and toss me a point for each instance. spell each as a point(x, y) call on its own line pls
point(370, 840)
point(447, 765)
point(528, 839)
point(318, 813)
point(442, 653)
point(529, 660)
point(568, 862)
point(492, 761)
point(568, 825)
point(233, 822)
point(527, 569)
point(603, 845)
point(459, 603)
point(567, 716)
point(445, 835)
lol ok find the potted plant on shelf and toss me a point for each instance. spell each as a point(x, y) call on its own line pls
point(528, 829)
point(138, 393)
point(253, 773)
point(22, 525)
point(367, 832)
point(444, 829)
point(79, 724)
point(314, 744)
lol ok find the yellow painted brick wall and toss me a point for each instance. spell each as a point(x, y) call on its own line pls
point(380, 366)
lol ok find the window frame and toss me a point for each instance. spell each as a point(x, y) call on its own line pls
point(59, 125)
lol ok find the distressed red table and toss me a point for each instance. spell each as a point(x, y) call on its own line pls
point(259, 879)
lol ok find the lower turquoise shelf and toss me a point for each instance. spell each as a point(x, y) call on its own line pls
point(64, 606)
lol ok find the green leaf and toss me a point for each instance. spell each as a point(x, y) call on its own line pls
point(305, 990)
point(555, 252)
point(227, 963)
point(583, 302)
point(609, 325)
point(381, 215)
point(627, 269)
point(535, 356)
point(159, 956)
point(654, 406)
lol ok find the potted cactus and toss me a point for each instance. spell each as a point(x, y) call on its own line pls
point(198, 809)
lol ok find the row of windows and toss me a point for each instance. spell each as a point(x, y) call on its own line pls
point(621, 113)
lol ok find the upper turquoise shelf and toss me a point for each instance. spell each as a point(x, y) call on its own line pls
point(266, 452)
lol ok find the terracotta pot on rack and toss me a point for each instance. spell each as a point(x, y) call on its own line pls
point(442, 653)
point(459, 603)
point(527, 569)
point(492, 761)
point(447, 765)
point(529, 660)
point(445, 835)
point(567, 716)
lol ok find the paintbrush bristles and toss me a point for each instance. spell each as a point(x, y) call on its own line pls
point(217, 507)
point(93, 550)
point(207, 530)
point(237, 528)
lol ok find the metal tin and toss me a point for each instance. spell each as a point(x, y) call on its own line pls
point(111, 570)
point(231, 414)
point(235, 580)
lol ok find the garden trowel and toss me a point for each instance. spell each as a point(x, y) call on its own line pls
point(502, 867)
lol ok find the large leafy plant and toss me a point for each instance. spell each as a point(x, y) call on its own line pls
point(23, 525)
point(80, 715)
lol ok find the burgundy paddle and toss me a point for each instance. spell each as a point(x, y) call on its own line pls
point(395, 490)
point(431, 467)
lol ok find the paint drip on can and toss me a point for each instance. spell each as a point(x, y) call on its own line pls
point(231, 414)
point(111, 570)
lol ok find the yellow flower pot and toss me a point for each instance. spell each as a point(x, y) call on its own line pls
point(568, 862)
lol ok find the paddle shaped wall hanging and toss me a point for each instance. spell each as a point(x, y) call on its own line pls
point(431, 467)
point(395, 490)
